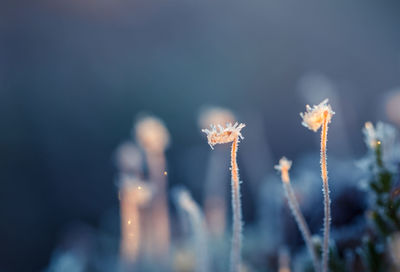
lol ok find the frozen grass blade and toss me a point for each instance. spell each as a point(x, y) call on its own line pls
point(313, 119)
point(221, 136)
point(284, 167)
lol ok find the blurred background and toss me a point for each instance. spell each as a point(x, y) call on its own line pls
point(74, 75)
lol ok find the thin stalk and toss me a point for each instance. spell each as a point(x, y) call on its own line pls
point(231, 133)
point(325, 189)
point(237, 211)
point(302, 224)
point(130, 227)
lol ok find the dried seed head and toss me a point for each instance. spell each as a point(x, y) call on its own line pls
point(284, 167)
point(313, 118)
point(223, 135)
point(215, 115)
point(152, 134)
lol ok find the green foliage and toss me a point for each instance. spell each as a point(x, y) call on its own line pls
point(336, 263)
point(383, 213)
point(373, 256)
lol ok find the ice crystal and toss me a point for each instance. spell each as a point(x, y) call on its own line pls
point(222, 135)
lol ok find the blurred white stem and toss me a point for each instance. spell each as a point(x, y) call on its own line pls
point(158, 226)
point(130, 226)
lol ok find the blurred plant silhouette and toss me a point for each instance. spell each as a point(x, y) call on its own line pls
point(369, 242)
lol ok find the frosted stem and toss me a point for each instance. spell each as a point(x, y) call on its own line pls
point(130, 227)
point(157, 228)
point(301, 222)
point(237, 212)
point(325, 189)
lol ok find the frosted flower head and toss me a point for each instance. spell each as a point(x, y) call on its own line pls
point(313, 118)
point(215, 115)
point(152, 134)
point(135, 190)
point(284, 167)
point(223, 135)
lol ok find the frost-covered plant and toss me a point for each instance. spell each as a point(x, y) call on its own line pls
point(215, 204)
point(384, 135)
point(385, 202)
point(313, 119)
point(284, 167)
point(191, 209)
point(222, 135)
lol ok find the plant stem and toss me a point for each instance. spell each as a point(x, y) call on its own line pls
point(301, 222)
point(157, 228)
point(327, 201)
point(237, 212)
point(130, 226)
